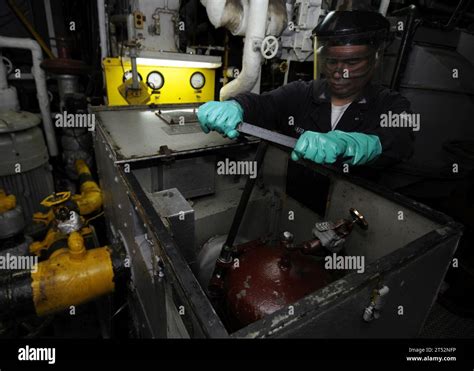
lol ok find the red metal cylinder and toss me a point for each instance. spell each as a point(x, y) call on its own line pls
point(267, 278)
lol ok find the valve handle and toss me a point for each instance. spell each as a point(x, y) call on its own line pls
point(56, 199)
point(269, 47)
point(359, 219)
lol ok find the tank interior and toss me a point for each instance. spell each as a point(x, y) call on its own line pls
point(277, 212)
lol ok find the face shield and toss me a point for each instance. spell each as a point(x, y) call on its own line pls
point(350, 47)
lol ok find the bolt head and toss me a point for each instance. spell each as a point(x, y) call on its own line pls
point(288, 236)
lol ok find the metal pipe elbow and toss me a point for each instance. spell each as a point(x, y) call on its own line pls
point(90, 199)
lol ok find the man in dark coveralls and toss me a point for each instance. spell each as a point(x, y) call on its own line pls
point(337, 119)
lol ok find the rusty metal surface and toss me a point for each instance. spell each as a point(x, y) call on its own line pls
point(269, 278)
point(65, 66)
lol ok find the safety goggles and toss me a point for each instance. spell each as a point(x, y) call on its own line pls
point(348, 67)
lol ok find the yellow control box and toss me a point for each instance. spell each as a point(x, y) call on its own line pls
point(166, 84)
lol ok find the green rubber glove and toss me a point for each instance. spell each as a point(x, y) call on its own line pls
point(222, 117)
point(325, 148)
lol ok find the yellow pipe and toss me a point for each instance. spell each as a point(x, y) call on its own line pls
point(6, 202)
point(45, 218)
point(52, 236)
point(90, 199)
point(30, 28)
point(72, 276)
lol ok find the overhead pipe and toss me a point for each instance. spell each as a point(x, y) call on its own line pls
point(8, 94)
point(405, 45)
point(384, 4)
point(252, 58)
point(102, 29)
point(232, 15)
point(457, 15)
point(437, 5)
point(30, 28)
point(40, 82)
point(50, 24)
point(253, 19)
point(3, 76)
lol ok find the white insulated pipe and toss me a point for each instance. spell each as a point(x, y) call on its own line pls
point(8, 94)
point(383, 8)
point(3, 76)
point(102, 29)
point(215, 11)
point(40, 82)
point(252, 59)
point(222, 15)
point(50, 24)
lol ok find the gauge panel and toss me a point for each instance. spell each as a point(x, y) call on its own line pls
point(198, 80)
point(128, 75)
point(155, 80)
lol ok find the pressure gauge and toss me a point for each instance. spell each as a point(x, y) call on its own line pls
point(197, 80)
point(128, 75)
point(155, 80)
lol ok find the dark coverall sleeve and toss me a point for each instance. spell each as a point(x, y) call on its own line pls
point(397, 142)
point(272, 110)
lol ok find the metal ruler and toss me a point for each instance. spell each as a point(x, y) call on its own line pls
point(267, 135)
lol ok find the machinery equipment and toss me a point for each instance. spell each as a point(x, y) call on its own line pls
point(75, 141)
point(150, 68)
point(163, 232)
point(225, 253)
point(65, 213)
point(168, 78)
point(12, 225)
point(24, 167)
point(263, 278)
point(71, 276)
point(268, 278)
point(62, 219)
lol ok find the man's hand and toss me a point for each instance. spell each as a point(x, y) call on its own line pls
point(222, 117)
point(325, 148)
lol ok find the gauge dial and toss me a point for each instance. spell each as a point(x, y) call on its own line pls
point(197, 80)
point(128, 75)
point(155, 80)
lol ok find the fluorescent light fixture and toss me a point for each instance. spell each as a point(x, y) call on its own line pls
point(176, 63)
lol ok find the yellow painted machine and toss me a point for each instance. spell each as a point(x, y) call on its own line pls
point(61, 206)
point(72, 276)
point(167, 81)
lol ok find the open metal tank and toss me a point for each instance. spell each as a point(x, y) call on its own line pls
point(406, 250)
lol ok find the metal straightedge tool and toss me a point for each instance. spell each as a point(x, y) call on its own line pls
point(267, 135)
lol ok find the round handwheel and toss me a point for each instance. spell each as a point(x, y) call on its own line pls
point(56, 199)
point(269, 48)
point(359, 218)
